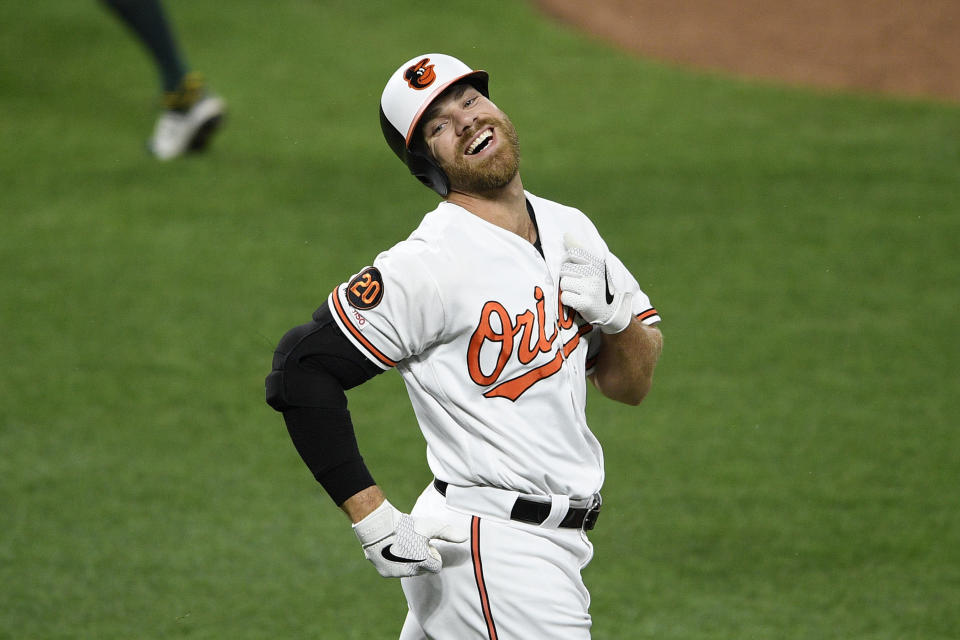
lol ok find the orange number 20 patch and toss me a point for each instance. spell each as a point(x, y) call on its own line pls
point(366, 289)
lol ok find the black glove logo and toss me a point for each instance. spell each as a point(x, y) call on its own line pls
point(385, 552)
point(606, 281)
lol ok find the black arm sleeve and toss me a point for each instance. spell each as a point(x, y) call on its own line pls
point(312, 366)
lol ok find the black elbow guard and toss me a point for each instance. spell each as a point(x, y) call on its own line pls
point(304, 360)
point(274, 387)
point(293, 381)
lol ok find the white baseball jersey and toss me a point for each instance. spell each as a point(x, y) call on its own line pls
point(469, 314)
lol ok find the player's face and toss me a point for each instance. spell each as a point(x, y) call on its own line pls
point(473, 141)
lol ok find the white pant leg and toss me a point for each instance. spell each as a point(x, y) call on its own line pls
point(508, 581)
point(411, 629)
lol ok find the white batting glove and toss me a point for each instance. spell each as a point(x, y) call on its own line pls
point(398, 544)
point(585, 286)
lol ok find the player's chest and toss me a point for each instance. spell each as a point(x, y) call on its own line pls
point(510, 293)
point(510, 326)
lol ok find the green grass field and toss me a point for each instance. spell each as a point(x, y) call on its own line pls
point(795, 473)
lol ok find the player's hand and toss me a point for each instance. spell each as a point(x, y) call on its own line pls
point(585, 286)
point(398, 544)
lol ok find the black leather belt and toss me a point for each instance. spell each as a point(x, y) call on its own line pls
point(533, 512)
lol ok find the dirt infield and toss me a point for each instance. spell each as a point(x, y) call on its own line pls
point(884, 46)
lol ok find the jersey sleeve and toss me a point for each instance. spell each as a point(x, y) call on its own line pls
point(391, 310)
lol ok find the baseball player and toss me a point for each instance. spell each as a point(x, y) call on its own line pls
point(495, 311)
point(191, 113)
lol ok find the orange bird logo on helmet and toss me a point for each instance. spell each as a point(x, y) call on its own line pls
point(420, 75)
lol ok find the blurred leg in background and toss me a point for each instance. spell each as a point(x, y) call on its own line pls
point(191, 114)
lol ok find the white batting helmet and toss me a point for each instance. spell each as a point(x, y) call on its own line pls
point(410, 90)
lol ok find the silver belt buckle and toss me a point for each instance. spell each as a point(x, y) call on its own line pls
point(590, 520)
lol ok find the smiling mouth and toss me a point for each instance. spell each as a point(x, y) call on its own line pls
point(480, 142)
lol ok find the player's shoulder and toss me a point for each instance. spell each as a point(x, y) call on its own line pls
point(422, 245)
point(563, 214)
point(562, 218)
point(552, 207)
point(436, 226)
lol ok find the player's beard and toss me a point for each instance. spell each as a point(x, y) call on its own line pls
point(493, 172)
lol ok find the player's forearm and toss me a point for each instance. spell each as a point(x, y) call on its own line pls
point(325, 440)
point(624, 370)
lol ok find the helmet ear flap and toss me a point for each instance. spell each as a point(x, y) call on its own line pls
point(393, 137)
point(427, 171)
point(421, 165)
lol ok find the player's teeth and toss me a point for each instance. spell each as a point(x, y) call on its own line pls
point(483, 137)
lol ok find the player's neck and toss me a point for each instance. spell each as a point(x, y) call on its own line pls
point(506, 207)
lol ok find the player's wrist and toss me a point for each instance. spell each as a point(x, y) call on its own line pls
point(622, 314)
point(362, 503)
point(376, 525)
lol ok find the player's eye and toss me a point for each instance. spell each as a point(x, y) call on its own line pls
point(437, 128)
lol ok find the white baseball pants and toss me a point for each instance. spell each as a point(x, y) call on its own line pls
point(509, 581)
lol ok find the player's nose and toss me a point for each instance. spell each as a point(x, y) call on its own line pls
point(464, 122)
